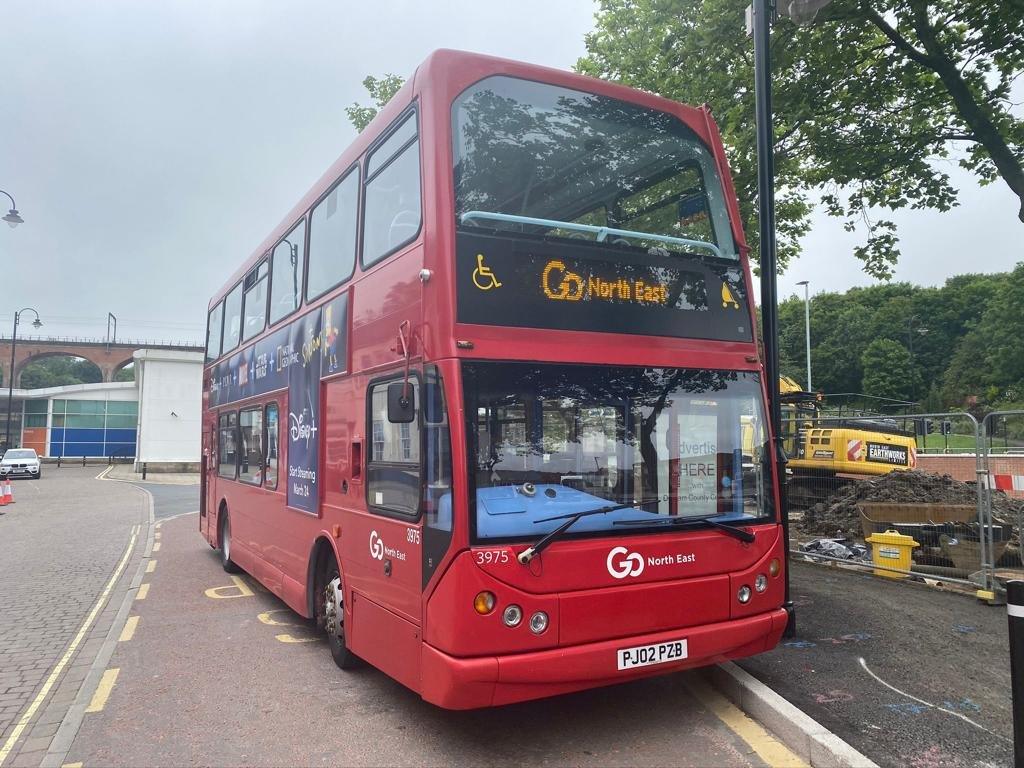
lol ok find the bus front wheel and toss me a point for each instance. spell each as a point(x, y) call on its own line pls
point(334, 619)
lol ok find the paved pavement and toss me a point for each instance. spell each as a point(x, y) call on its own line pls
point(923, 649)
point(61, 543)
point(219, 672)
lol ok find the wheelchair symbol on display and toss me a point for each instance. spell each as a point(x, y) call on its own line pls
point(483, 278)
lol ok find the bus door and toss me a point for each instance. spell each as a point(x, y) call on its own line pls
point(384, 553)
point(208, 489)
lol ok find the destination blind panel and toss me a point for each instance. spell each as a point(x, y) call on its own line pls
point(563, 286)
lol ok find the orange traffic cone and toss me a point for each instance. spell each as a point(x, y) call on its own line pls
point(3, 497)
point(8, 493)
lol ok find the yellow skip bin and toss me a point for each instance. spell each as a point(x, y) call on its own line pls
point(891, 549)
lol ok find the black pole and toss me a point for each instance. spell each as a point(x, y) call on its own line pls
point(763, 10)
point(10, 383)
point(1015, 616)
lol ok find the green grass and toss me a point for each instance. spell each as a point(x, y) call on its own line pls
point(938, 443)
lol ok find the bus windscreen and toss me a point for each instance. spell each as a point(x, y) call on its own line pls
point(549, 440)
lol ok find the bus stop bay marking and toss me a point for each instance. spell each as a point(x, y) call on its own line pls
point(99, 698)
point(267, 618)
point(767, 747)
point(239, 588)
point(129, 629)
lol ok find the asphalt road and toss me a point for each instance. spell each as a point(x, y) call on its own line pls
point(170, 500)
point(932, 649)
point(216, 671)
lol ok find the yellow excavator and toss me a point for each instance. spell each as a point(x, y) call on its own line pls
point(827, 453)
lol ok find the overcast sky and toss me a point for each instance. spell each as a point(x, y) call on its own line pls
point(152, 145)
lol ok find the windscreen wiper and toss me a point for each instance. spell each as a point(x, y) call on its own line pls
point(686, 522)
point(529, 553)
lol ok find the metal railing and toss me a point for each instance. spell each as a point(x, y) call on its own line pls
point(84, 341)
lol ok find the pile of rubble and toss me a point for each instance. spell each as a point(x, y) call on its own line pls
point(838, 515)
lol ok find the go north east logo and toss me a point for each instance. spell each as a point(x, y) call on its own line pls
point(622, 563)
point(621, 567)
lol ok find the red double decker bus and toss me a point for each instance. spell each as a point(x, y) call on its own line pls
point(488, 404)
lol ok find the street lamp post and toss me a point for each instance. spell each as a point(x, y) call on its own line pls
point(13, 218)
point(911, 330)
point(807, 328)
point(760, 16)
point(37, 323)
point(761, 12)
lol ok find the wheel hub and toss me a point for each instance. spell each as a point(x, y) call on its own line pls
point(334, 612)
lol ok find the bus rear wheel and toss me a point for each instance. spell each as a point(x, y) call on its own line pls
point(334, 619)
point(224, 537)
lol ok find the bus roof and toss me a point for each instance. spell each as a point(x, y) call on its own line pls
point(450, 72)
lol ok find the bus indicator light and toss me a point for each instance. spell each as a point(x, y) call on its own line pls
point(484, 602)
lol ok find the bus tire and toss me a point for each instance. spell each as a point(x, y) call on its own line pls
point(224, 539)
point(332, 600)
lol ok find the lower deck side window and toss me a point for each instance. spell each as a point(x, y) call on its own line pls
point(270, 472)
point(250, 423)
point(227, 445)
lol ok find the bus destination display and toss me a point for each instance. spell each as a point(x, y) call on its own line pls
point(566, 287)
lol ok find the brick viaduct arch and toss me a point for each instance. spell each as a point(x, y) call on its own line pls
point(107, 357)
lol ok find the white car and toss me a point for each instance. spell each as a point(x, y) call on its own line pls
point(21, 461)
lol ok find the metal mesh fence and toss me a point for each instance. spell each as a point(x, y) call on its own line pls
point(936, 495)
point(855, 481)
point(1002, 460)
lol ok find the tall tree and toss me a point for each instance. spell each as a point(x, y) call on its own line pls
point(866, 100)
point(887, 370)
point(381, 89)
point(989, 359)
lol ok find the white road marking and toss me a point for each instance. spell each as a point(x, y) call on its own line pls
point(929, 704)
point(180, 514)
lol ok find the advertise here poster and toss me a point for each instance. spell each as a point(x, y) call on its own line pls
point(304, 412)
point(698, 464)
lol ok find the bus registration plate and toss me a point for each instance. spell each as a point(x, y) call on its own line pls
point(646, 655)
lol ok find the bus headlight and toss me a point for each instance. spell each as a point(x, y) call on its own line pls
point(761, 582)
point(538, 622)
point(512, 616)
point(744, 594)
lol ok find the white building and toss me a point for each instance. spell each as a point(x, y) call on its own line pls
point(157, 419)
point(170, 391)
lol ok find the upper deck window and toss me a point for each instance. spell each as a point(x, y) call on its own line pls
point(391, 216)
point(232, 319)
point(286, 280)
point(532, 158)
point(332, 237)
point(255, 286)
point(213, 331)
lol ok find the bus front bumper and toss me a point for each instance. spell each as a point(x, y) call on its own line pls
point(470, 683)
